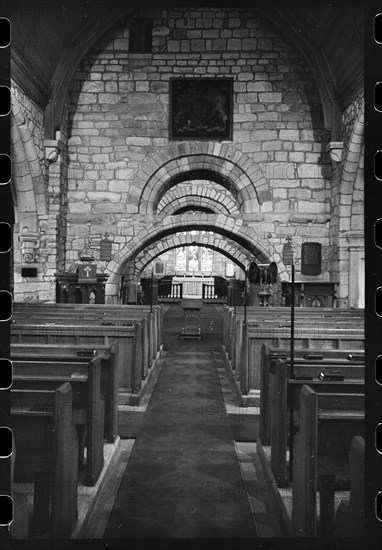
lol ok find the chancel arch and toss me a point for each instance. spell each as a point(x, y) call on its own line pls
point(234, 252)
point(200, 193)
point(259, 248)
point(225, 165)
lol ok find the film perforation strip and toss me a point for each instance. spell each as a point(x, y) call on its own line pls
point(6, 237)
point(377, 105)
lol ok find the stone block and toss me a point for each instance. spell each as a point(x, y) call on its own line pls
point(142, 86)
point(313, 171)
point(306, 206)
point(100, 158)
point(241, 136)
point(297, 157)
point(263, 135)
point(259, 86)
point(87, 98)
point(79, 207)
point(274, 145)
point(265, 44)
point(250, 44)
point(298, 146)
point(108, 98)
point(282, 206)
point(289, 135)
point(93, 87)
point(138, 141)
point(198, 45)
point(99, 141)
point(300, 194)
point(234, 44)
point(104, 196)
point(280, 170)
point(307, 135)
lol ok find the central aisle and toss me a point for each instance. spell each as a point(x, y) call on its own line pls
point(183, 478)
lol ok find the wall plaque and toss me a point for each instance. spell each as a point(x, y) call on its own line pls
point(311, 258)
point(201, 108)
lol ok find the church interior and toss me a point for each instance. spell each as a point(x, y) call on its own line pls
point(188, 270)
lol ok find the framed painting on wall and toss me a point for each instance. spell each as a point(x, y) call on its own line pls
point(201, 108)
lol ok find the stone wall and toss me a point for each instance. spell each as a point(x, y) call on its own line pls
point(40, 182)
point(119, 129)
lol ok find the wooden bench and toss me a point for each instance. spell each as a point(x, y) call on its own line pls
point(73, 318)
point(233, 319)
point(285, 402)
point(128, 341)
point(101, 313)
point(328, 424)
point(248, 373)
point(350, 517)
point(46, 451)
point(108, 356)
point(270, 354)
point(88, 404)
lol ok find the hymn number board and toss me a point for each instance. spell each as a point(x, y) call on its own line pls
point(311, 258)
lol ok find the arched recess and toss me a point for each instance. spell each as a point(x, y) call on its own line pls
point(289, 23)
point(233, 251)
point(179, 199)
point(27, 177)
point(351, 223)
point(217, 162)
point(231, 228)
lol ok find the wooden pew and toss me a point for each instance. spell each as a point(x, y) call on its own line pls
point(270, 354)
point(284, 401)
point(350, 517)
point(313, 338)
point(88, 404)
point(328, 423)
point(108, 356)
point(73, 318)
point(46, 451)
point(102, 312)
point(129, 348)
point(281, 316)
point(233, 320)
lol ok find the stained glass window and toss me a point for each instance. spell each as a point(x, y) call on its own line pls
point(181, 257)
point(193, 258)
point(206, 259)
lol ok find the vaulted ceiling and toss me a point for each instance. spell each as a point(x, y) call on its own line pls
point(49, 39)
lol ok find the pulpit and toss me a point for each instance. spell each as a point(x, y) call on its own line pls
point(192, 327)
point(83, 287)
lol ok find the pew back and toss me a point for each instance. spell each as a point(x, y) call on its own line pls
point(46, 455)
point(328, 423)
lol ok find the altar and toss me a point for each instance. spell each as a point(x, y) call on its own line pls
point(193, 286)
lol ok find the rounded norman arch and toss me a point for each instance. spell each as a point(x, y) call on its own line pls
point(218, 162)
point(177, 198)
point(26, 172)
point(260, 248)
point(234, 252)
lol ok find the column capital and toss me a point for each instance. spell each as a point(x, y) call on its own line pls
point(53, 148)
point(28, 240)
point(355, 239)
point(334, 148)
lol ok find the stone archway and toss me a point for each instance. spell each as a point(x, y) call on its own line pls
point(221, 163)
point(351, 218)
point(228, 248)
point(26, 171)
point(196, 195)
point(229, 227)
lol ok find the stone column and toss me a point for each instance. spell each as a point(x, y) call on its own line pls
point(356, 269)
